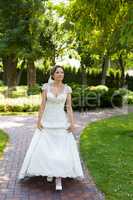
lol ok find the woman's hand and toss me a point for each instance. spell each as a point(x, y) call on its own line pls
point(39, 125)
point(71, 128)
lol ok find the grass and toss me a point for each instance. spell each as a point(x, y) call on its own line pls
point(107, 149)
point(18, 113)
point(4, 138)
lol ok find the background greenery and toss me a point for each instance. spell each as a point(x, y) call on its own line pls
point(98, 33)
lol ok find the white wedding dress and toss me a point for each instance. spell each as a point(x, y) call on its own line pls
point(53, 150)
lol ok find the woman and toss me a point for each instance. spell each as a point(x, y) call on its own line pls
point(53, 150)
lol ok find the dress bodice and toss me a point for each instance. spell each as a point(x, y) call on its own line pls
point(54, 115)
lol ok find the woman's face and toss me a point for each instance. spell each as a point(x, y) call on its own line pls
point(58, 74)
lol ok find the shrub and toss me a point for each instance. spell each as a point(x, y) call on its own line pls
point(97, 96)
point(2, 108)
point(99, 89)
point(1, 83)
point(130, 97)
point(34, 90)
point(83, 98)
point(114, 97)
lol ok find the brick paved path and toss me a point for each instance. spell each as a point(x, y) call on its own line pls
point(20, 130)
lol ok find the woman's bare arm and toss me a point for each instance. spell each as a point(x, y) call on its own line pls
point(70, 111)
point(42, 107)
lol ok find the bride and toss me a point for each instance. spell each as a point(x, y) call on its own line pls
point(53, 149)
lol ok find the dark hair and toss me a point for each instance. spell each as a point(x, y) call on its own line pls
point(54, 69)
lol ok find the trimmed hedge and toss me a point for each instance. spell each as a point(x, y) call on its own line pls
point(83, 98)
point(97, 96)
point(92, 76)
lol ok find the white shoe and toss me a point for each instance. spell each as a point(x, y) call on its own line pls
point(49, 178)
point(58, 183)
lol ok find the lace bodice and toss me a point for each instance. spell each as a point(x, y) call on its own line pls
point(54, 115)
point(47, 87)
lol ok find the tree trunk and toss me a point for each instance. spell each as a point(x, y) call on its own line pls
point(4, 70)
point(10, 71)
point(53, 57)
point(31, 74)
point(84, 76)
point(105, 66)
point(84, 84)
point(20, 72)
point(122, 71)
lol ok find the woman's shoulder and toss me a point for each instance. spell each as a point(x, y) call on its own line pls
point(68, 88)
point(44, 86)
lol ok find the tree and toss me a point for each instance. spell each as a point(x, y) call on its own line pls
point(101, 20)
point(55, 39)
point(20, 26)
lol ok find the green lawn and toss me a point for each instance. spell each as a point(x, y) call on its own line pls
point(3, 141)
point(107, 149)
point(19, 113)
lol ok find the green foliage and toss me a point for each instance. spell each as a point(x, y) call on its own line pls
point(112, 99)
point(122, 91)
point(36, 89)
point(19, 92)
point(39, 30)
point(126, 29)
point(83, 98)
point(19, 33)
point(101, 28)
point(1, 83)
point(99, 88)
point(129, 82)
point(19, 108)
point(86, 98)
point(130, 97)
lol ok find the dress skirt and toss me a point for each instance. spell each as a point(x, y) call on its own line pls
point(52, 152)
